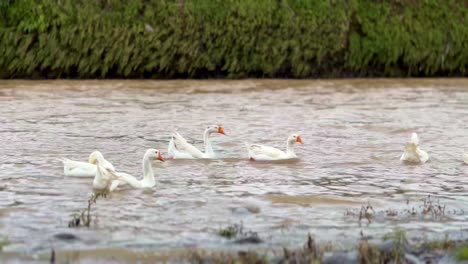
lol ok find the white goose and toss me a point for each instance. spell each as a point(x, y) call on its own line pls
point(179, 148)
point(413, 153)
point(148, 180)
point(465, 157)
point(85, 169)
point(261, 152)
point(104, 178)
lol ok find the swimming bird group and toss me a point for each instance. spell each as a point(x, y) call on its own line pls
point(106, 178)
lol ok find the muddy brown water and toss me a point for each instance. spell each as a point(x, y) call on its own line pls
point(353, 130)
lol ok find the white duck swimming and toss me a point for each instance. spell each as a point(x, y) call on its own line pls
point(412, 151)
point(261, 152)
point(85, 169)
point(179, 148)
point(148, 180)
point(465, 157)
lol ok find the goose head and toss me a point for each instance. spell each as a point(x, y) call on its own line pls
point(154, 154)
point(215, 129)
point(414, 139)
point(292, 139)
point(95, 156)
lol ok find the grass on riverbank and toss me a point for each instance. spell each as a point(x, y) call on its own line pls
point(234, 39)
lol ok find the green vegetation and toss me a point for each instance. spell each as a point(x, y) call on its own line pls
point(84, 217)
point(462, 253)
point(234, 39)
point(229, 232)
point(3, 242)
point(444, 244)
point(399, 240)
point(241, 237)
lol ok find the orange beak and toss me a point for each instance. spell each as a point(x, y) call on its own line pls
point(221, 130)
point(299, 139)
point(160, 157)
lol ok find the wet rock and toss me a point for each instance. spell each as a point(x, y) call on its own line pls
point(450, 258)
point(149, 28)
point(412, 259)
point(16, 203)
point(389, 245)
point(246, 209)
point(253, 209)
point(249, 238)
point(66, 236)
point(386, 246)
point(240, 210)
point(340, 257)
point(432, 257)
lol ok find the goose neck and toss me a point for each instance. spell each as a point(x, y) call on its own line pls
point(290, 149)
point(148, 176)
point(207, 143)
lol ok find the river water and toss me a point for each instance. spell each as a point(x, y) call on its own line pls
point(353, 132)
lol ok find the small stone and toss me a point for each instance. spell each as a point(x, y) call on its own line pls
point(412, 259)
point(246, 209)
point(149, 28)
point(249, 238)
point(388, 246)
point(340, 257)
point(66, 236)
point(253, 209)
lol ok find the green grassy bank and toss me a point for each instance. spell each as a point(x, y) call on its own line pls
point(231, 38)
